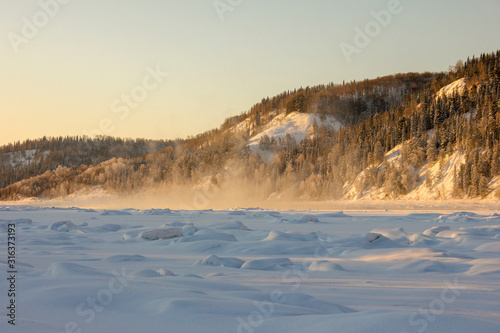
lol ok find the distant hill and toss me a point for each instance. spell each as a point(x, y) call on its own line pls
point(418, 136)
point(31, 158)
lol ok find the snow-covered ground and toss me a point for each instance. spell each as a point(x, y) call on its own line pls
point(297, 125)
point(456, 87)
point(252, 270)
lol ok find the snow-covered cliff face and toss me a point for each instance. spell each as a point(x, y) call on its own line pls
point(455, 87)
point(433, 180)
point(298, 126)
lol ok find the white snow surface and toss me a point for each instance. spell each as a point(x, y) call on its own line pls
point(455, 87)
point(361, 271)
point(298, 125)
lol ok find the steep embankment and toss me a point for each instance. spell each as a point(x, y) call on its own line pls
point(294, 126)
point(433, 181)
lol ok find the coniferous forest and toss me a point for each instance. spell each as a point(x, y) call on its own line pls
point(399, 133)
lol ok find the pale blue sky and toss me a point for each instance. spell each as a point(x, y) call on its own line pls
point(65, 79)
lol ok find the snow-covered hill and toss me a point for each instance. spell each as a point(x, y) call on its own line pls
point(301, 125)
point(298, 125)
point(435, 180)
point(455, 87)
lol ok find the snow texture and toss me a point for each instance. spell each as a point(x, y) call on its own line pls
point(434, 270)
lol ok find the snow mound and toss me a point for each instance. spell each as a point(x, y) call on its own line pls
point(489, 247)
point(303, 300)
point(431, 266)
point(4, 223)
point(213, 260)
point(131, 234)
point(334, 215)
point(235, 225)
point(489, 231)
point(204, 235)
point(189, 230)
point(274, 214)
point(485, 267)
point(237, 213)
point(382, 321)
point(377, 240)
point(63, 226)
point(108, 228)
point(302, 219)
point(65, 269)
point(191, 276)
point(124, 258)
point(400, 236)
point(371, 237)
point(291, 236)
point(165, 272)
point(267, 264)
point(472, 233)
point(115, 213)
point(325, 266)
point(146, 273)
point(176, 224)
point(422, 216)
point(308, 218)
point(435, 230)
point(459, 217)
point(392, 233)
point(484, 270)
point(88, 210)
point(157, 212)
point(290, 300)
point(408, 254)
point(156, 234)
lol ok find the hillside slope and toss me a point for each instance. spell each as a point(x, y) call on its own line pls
point(456, 87)
point(31, 158)
point(294, 126)
point(431, 181)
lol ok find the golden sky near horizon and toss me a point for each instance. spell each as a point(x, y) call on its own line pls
point(87, 67)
